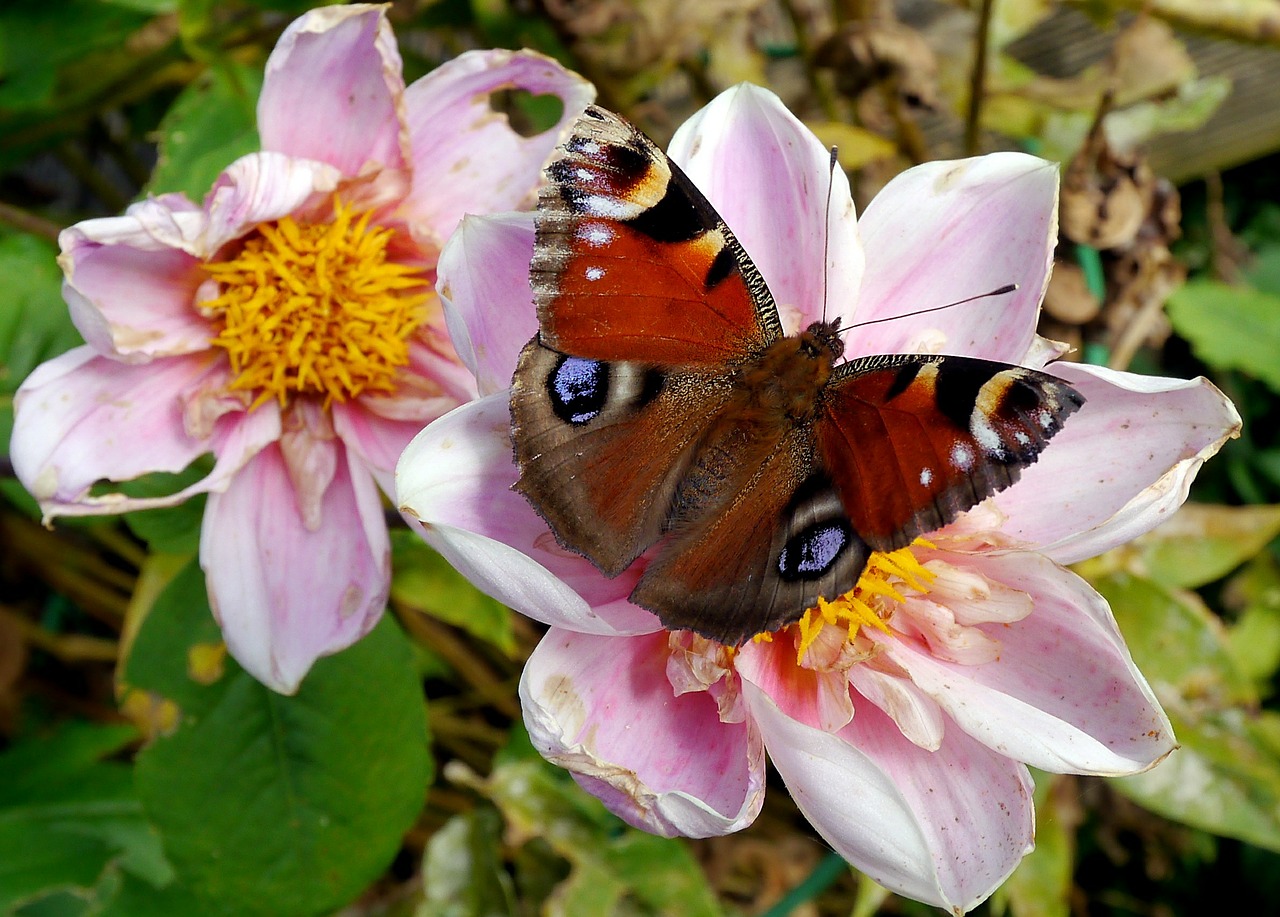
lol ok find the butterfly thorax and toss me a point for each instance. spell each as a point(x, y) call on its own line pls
point(784, 382)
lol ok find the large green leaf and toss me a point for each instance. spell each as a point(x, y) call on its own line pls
point(67, 817)
point(212, 123)
point(279, 805)
point(1230, 327)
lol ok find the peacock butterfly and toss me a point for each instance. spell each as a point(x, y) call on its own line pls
point(660, 406)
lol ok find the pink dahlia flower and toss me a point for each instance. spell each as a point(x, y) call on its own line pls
point(903, 715)
point(289, 326)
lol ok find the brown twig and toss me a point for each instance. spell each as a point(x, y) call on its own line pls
point(977, 80)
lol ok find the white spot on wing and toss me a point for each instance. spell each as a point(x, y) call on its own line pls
point(985, 434)
point(926, 477)
point(594, 273)
point(962, 456)
point(597, 234)
point(602, 205)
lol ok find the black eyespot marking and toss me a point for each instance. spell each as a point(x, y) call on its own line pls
point(902, 380)
point(578, 388)
point(809, 554)
point(723, 266)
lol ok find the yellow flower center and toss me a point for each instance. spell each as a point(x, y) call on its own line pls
point(870, 602)
point(316, 308)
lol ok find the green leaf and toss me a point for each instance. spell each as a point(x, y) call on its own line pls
point(1177, 643)
point(609, 862)
point(462, 873)
point(1230, 327)
point(38, 38)
point(212, 123)
point(313, 792)
point(1254, 638)
point(1224, 779)
point(425, 582)
point(1202, 543)
point(67, 817)
point(169, 529)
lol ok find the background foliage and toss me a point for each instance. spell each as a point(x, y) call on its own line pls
point(142, 772)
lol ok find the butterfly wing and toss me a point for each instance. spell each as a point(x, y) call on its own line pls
point(761, 555)
point(645, 300)
point(911, 442)
point(632, 263)
point(602, 446)
point(901, 446)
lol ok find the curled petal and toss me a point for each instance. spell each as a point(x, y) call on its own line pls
point(942, 231)
point(1064, 695)
point(603, 708)
point(817, 698)
point(262, 187)
point(81, 418)
point(286, 594)
point(455, 478)
point(746, 138)
point(483, 279)
point(916, 715)
point(1079, 500)
point(334, 91)
point(467, 157)
point(129, 288)
point(945, 827)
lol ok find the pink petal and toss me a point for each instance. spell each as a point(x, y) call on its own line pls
point(377, 441)
point(81, 418)
point(466, 157)
point(285, 594)
point(942, 231)
point(455, 478)
point(602, 707)
point(129, 293)
point(483, 279)
point(1121, 465)
point(769, 177)
point(818, 699)
point(944, 827)
point(434, 383)
point(334, 91)
point(262, 187)
point(1064, 694)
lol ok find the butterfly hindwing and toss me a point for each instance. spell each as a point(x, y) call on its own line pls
point(913, 441)
point(761, 554)
point(632, 263)
point(602, 446)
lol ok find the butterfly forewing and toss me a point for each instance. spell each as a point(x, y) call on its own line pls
point(632, 263)
point(913, 441)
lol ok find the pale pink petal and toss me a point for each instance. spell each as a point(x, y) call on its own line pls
point(943, 827)
point(917, 716)
point(262, 187)
point(1064, 694)
point(134, 302)
point(455, 478)
point(334, 91)
point(467, 158)
point(284, 594)
point(770, 178)
point(81, 418)
point(154, 224)
point(483, 279)
point(943, 231)
point(1121, 465)
point(817, 698)
point(603, 708)
point(377, 442)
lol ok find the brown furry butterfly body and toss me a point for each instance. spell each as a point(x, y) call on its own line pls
point(661, 411)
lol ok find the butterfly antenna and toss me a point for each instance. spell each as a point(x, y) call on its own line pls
point(1007, 288)
point(826, 232)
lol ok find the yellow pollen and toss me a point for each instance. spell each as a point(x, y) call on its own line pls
point(316, 308)
point(868, 604)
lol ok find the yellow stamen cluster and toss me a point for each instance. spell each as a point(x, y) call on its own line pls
point(867, 603)
point(316, 308)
